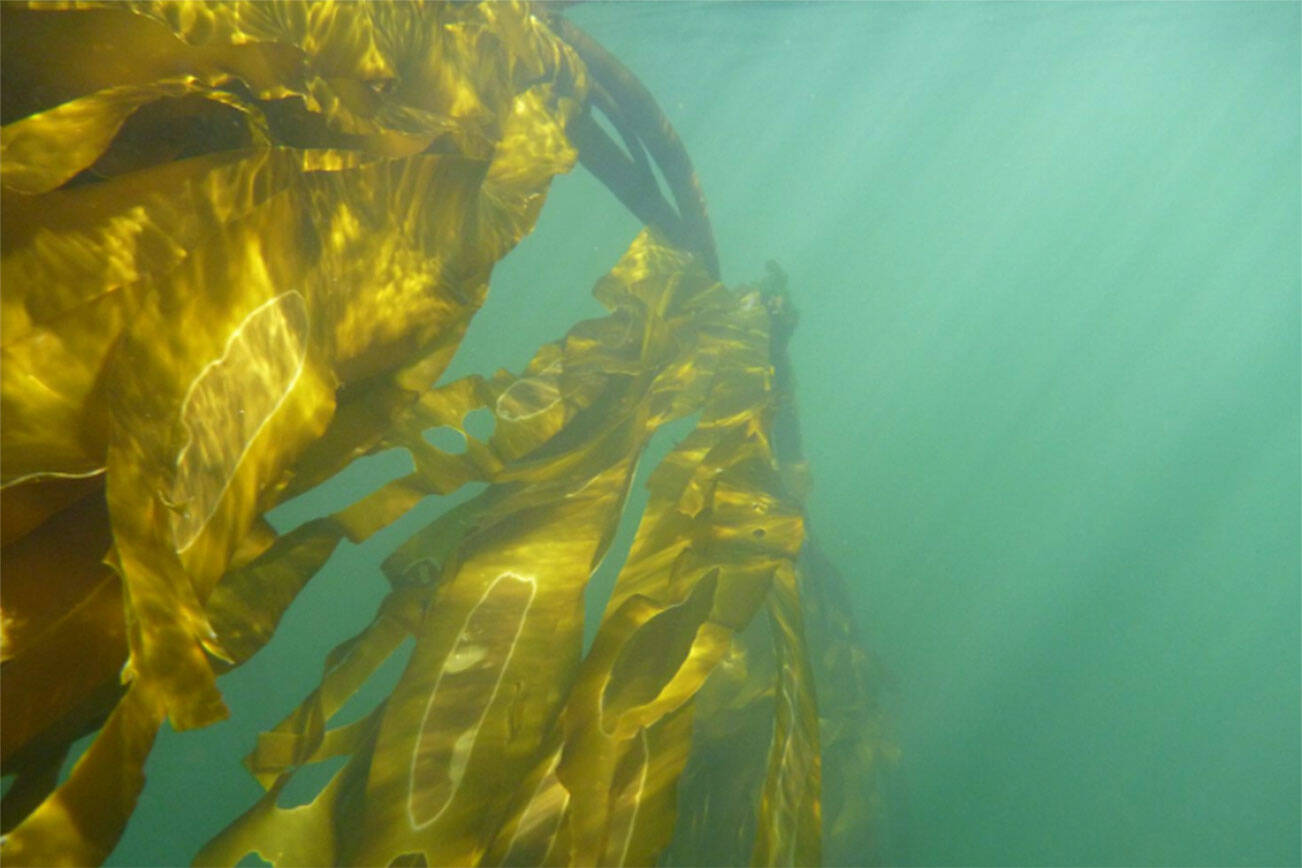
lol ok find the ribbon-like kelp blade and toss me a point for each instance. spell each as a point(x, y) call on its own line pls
point(497, 742)
point(790, 825)
point(209, 239)
point(234, 262)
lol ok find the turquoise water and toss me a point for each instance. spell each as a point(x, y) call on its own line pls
point(1047, 261)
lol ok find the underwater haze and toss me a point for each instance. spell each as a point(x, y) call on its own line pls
point(1046, 257)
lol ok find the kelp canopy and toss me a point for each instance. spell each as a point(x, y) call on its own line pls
point(241, 243)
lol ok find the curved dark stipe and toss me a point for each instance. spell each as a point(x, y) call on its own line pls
point(637, 113)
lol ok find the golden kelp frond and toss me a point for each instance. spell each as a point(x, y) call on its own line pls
point(498, 741)
point(278, 276)
point(236, 257)
point(790, 823)
point(209, 237)
point(81, 820)
point(719, 791)
point(62, 645)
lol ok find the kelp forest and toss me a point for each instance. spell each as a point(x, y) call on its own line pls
point(241, 244)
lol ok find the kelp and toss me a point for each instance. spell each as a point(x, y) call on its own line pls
point(236, 259)
point(497, 712)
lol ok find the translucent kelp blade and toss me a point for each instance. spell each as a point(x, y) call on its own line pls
point(241, 222)
point(245, 607)
point(524, 526)
point(789, 830)
point(35, 152)
point(858, 753)
point(418, 565)
point(717, 528)
point(247, 604)
point(299, 269)
point(300, 737)
point(719, 792)
point(466, 764)
point(100, 793)
point(235, 317)
point(78, 266)
point(501, 636)
point(490, 631)
point(63, 639)
point(298, 836)
point(657, 645)
point(609, 754)
point(643, 790)
point(308, 835)
point(61, 662)
point(247, 390)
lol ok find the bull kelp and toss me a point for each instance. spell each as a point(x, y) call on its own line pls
point(239, 256)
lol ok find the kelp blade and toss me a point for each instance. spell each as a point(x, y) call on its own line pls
point(211, 238)
point(210, 323)
point(499, 741)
